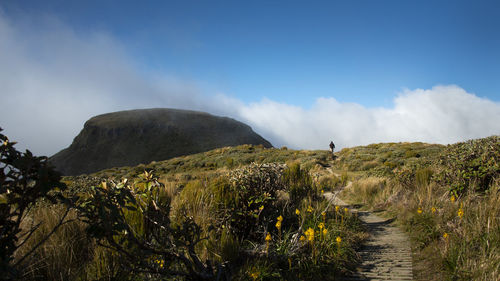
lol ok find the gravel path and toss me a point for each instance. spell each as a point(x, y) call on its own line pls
point(386, 255)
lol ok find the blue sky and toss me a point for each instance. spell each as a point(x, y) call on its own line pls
point(299, 72)
point(295, 51)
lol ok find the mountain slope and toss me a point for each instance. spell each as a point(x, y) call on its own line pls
point(132, 137)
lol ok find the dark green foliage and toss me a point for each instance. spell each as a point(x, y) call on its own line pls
point(25, 180)
point(247, 202)
point(474, 163)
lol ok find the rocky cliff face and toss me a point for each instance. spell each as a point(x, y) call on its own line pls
point(132, 137)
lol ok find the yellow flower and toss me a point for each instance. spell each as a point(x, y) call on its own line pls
point(254, 275)
point(278, 225)
point(433, 210)
point(310, 209)
point(346, 210)
point(160, 263)
point(322, 191)
point(261, 208)
point(452, 198)
point(337, 208)
point(445, 236)
point(460, 213)
point(268, 237)
point(280, 218)
point(297, 212)
point(325, 231)
point(321, 225)
point(302, 238)
point(419, 210)
point(310, 234)
point(338, 239)
point(323, 214)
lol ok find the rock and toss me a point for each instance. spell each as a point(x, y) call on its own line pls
point(129, 138)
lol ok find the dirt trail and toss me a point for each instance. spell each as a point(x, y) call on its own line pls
point(386, 255)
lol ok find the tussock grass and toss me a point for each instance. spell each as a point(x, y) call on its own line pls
point(61, 256)
point(448, 212)
point(236, 207)
point(366, 190)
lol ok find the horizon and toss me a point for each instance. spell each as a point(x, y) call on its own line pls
point(299, 74)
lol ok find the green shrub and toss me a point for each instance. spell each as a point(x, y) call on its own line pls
point(133, 222)
point(472, 164)
point(25, 180)
point(248, 199)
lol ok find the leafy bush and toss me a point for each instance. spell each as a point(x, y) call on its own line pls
point(474, 164)
point(248, 198)
point(132, 221)
point(25, 180)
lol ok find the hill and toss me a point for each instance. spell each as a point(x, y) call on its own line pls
point(264, 214)
point(133, 137)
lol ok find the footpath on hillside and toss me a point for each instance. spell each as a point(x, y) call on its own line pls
point(386, 255)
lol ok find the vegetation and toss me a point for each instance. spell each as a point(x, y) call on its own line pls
point(241, 213)
point(447, 199)
point(25, 180)
point(251, 213)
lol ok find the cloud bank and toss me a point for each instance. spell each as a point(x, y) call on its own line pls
point(52, 79)
point(443, 114)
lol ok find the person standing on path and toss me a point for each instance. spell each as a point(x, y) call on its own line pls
point(332, 148)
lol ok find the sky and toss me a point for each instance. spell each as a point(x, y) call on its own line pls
point(300, 73)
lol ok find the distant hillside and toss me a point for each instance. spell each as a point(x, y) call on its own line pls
point(133, 137)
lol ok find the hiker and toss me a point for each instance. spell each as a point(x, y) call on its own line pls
point(332, 148)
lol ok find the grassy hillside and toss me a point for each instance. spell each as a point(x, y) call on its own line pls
point(254, 213)
point(446, 197)
point(247, 212)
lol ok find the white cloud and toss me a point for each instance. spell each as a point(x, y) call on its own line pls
point(443, 114)
point(52, 79)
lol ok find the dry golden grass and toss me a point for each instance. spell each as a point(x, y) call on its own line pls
point(196, 201)
point(366, 190)
point(472, 249)
point(61, 256)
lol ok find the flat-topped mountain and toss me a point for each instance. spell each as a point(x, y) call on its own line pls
point(133, 137)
